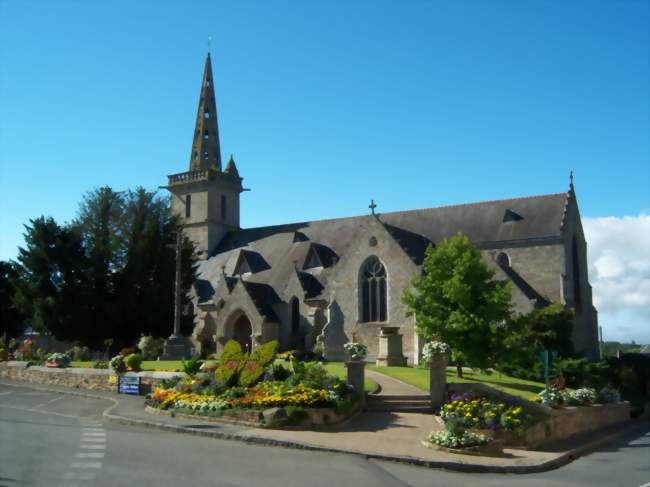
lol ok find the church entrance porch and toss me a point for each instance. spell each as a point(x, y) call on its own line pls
point(242, 331)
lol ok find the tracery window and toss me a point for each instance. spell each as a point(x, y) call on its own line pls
point(373, 291)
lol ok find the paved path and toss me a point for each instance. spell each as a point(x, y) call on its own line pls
point(45, 439)
point(393, 387)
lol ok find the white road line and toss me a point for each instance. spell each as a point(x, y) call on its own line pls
point(94, 440)
point(86, 465)
point(6, 392)
point(49, 413)
point(49, 402)
point(90, 455)
point(89, 428)
point(85, 446)
point(78, 476)
point(94, 433)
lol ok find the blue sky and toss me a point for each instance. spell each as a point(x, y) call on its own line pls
point(326, 105)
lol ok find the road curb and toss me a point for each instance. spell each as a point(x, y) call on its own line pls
point(559, 461)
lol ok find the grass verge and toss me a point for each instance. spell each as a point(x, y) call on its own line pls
point(420, 379)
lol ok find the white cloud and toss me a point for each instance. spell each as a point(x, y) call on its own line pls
point(619, 271)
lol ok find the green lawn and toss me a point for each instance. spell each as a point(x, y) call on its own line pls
point(335, 368)
point(420, 379)
point(167, 365)
point(338, 369)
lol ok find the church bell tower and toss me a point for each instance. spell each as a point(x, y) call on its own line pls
point(206, 198)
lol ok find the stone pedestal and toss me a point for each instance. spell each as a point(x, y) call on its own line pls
point(177, 347)
point(437, 380)
point(356, 376)
point(390, 348)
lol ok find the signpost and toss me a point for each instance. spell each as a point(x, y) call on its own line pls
point(547, 357)
point(128, 385)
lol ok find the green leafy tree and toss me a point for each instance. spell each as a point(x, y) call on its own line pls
point(525, 335)
point(457, 300)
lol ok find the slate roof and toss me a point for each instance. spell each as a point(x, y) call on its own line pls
point(283, 247)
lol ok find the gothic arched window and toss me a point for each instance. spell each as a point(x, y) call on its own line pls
point(373, 291)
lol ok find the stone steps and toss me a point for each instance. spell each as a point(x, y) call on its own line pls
point(413, 403)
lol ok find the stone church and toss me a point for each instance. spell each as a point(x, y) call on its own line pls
point(344, 278)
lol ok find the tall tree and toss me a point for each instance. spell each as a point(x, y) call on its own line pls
point(98, 221)
point(49, 282)
point(12, 321)
point(457, 300)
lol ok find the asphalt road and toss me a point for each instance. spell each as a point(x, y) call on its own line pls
point(52, 439)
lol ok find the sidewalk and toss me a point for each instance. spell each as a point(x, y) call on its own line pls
point(381, 435)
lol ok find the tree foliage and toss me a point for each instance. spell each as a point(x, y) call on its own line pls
point(525, 335)
point(12, 322)
point(457, 300)
point(108, 274)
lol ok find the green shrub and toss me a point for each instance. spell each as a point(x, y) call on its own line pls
point(191, 366)
point(231, 360)
point(117, 364)
point(100, 364)
point(133, 361)
point(265, 354)
point(4, 355)
point(150, 347)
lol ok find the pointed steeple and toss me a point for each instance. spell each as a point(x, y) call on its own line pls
point(206, 151)
point(231, 168)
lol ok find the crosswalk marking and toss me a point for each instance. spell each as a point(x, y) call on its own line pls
point(85, 465)
point(78, 476)
point(90, 455)
point(86, 446)
point(94, 440)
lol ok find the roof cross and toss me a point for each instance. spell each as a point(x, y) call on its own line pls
point(372, 206)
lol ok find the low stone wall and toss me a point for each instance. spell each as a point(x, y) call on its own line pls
point(93, 379)
point(553, 424)
point(575, 420)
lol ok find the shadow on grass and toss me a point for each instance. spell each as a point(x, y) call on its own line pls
point(507, 385)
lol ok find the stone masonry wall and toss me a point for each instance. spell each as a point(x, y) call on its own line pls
point(92, 379)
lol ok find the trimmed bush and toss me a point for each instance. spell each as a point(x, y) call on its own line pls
point(231, 359)
point(133, 361)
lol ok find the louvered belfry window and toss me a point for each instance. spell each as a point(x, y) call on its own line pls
point(373, 291)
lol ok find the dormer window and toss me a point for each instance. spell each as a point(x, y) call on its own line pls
point(242, 266)
point(511, 216)
point(313, 260)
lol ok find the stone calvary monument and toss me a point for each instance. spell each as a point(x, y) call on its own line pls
point(334, 278)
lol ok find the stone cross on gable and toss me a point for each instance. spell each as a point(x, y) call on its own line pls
point(372, 206)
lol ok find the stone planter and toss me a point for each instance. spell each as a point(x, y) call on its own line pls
point(437, 380)
point(491, 449)
point(356, 376)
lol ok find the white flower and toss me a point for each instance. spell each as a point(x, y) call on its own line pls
point(433, 348)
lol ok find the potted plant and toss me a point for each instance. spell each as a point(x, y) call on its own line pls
point(356, 350)
point(58, 360)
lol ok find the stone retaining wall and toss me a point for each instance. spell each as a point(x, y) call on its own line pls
point(93, 379)
point(554, 424)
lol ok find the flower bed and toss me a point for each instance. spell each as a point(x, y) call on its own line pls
point(482, 413)
point(252, 388)
point(585, 396)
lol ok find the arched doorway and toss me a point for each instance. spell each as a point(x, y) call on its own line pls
point(242, 331)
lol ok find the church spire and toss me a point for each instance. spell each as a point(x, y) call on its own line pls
point(206, 151)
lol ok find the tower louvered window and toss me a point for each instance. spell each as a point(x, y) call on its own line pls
point(373, 291)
